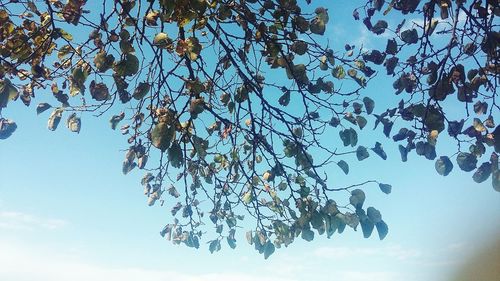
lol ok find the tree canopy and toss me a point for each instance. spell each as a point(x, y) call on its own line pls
point(235, 103)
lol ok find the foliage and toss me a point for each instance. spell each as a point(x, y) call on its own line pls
point(191, 79)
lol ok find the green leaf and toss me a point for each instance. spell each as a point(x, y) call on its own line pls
point(482, 173)
point(361, 122)
point(247, 197)
point(307, 235)
point(367, 227)
point(7, 92)
point(349, 137)
point(379, 150)
point(369, 104)
point(410, 36)
point(141, 91)
point(99, 91)
point(374, 215)
point(444, 166)
point(379, 27)
point(382, 229)
point(128, 166)
point(344, 166)
point(338, 72)
point(214, 246)
point(162, 135)
point(362, 153)
point(268, 249)
point(175, 155)
point(357, 198)
point(392, 47)
point(318, 24)
point(65, 34)
point(128, 66)
point(41, 107)
point(466, 161)
point(299, 47)
point(7, 127)
point(385, 188)
point(284, 100)
point(495, 180)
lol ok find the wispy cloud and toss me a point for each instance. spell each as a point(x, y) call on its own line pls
point(25, 263)
point(10, 220)
point(395, 252)
point(369, 276)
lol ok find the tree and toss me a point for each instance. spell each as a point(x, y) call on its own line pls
point(191, 78)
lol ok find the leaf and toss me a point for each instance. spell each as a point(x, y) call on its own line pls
point(99, 91)
point(247, 197)
point(382, 229)
point(344, 166)
point(350, 219)
point(128, 66)
point(392, 47)
point(369, 104)
point(357, 198)
point(115, 119)
point(338, 72)
point(318, 24)
point(443, 166)
point(7, 127)
point(482, 173)
point(284, 100)
point(64, 34)
point(466, 161)
point(141, 91)
point(385, 188)
point(214, 246)
point(128, 166)
point(194, 48)
point(367, 227)
point(362, 153)
point(495, 180)
point(268, 249)
point(74, 123)
point(349, 137)
point(374, 215)
point(41, 107)
point(299, 47)
point(162, 135)
point(478, 125)
point(103, 61)
point(379, 150)
point(7, 92)
point(54, 119)
point(161, 40)
point(307, 235)
point(361, 122)
point(403, 151)
point(175, 155)
point(231, 242)
point(410, 36)
point(379, 27)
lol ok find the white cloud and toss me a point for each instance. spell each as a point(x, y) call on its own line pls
point(395, 252)
point(22, 221)
point(369, 276)
point(23, 263)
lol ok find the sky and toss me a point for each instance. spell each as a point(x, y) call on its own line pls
point(67, 213)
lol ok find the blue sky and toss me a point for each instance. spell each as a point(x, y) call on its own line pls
point(67, 212)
